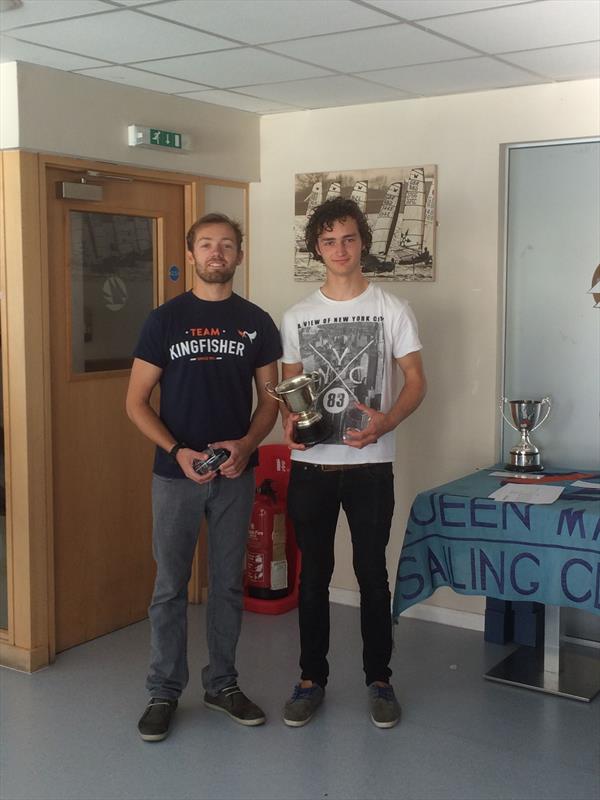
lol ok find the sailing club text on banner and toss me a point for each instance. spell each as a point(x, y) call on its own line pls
point(458, 537)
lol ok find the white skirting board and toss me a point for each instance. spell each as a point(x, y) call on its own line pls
point(444, 616)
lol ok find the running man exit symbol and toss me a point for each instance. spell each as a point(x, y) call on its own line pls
point(165, 138)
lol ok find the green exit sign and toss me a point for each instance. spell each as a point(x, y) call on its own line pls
point(165, 138)
point(157, 139)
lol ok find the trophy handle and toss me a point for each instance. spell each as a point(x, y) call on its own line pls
point(504, 400)
point(270, 390)
point(545, 417)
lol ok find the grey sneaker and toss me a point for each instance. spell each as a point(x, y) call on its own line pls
point(303, 703)
point(236, 705)
point(384, 708)
point(154, 723)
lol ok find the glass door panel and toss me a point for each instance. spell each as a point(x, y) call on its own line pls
point(113, 264)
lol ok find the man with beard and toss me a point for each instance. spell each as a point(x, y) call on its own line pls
point(205, 348)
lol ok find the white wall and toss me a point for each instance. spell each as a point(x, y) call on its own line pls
point(455, 430)
point(76, 115)
point(9, 106)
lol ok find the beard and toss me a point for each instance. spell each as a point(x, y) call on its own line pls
point(222, 275)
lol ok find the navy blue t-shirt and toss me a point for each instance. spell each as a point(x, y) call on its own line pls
point(208, 352)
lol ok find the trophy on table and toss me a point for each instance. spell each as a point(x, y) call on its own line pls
point(525, 456)
point(299, 394)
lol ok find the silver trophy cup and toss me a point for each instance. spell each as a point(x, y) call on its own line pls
point(525, 456)
point(300, 394)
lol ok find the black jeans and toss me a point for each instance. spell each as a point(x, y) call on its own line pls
point(366, 494)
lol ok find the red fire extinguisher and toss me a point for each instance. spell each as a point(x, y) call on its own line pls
point(266, 562)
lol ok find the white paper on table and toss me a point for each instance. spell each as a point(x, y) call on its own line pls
point(586, 484)
point(527, 493)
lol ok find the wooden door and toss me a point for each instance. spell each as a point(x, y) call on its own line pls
point(111, 260)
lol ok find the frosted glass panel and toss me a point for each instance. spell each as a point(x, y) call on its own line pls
point(230, 200)
point(112, 287)
point(552, 326)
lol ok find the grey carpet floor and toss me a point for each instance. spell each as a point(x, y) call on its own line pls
point(69, 731)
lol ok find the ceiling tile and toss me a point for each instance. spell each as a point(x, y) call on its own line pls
point(121, 36)
point(131, 3)
point(34, 11)
point(567, 63)
point(468, 75)
point(233, 68)
point(422, 9)
point(525, 26)
point(15, 50)
point(269, 21)
point(144, 80)
point(337, 90)
point(241, 102)
point(378, 48)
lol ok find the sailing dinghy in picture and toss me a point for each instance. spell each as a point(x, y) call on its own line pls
point(383, 229)
point(314, 199)
point(412, 242)
point(595, 289)
point(383, 232)
point(359, 194)
point(334, 190)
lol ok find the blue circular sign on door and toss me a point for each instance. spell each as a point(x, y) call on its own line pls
point(174, 273)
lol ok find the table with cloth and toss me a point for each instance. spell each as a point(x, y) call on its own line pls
point(458, 536)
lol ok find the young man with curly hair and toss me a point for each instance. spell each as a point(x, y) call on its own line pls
point(361, 340)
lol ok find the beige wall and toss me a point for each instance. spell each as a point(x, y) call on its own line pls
point(455, 430)
point(76, 115)
point(9, 106)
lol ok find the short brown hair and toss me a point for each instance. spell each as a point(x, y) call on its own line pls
point(324, 216)
point(212, 219)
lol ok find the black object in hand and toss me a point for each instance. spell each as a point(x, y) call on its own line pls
point(215, 458)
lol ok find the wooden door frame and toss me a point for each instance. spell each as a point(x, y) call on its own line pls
point(30, 640)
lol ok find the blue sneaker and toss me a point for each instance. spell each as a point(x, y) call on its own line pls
point(302, 705)
point(384, 708)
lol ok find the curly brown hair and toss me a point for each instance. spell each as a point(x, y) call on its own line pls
point(324, 216)
point(211, 219)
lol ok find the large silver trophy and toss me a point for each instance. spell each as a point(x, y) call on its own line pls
point(300, 394)
point(525, 456)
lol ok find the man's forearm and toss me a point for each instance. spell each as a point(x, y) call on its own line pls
point(409, 399)
point(145, 418)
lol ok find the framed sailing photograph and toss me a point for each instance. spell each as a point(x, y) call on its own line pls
point(400, 204)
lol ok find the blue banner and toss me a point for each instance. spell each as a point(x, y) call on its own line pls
point(458, 537)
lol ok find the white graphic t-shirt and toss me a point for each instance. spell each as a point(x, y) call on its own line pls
point(353, 345)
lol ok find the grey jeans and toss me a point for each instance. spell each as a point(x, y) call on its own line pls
point(178, 506)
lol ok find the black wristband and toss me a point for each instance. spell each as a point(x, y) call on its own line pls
point(175, 449)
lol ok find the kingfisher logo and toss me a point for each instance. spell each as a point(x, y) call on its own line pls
point(210, 344)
